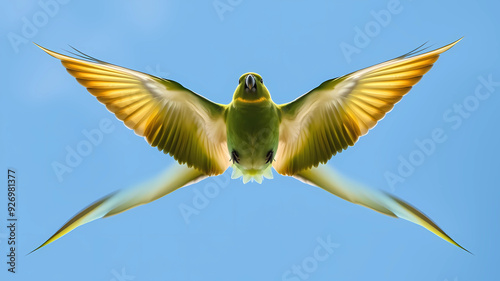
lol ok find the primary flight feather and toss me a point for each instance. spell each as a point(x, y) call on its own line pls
point(252, 134)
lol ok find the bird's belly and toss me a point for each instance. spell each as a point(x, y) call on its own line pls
point(253, 146)
point(252, 135)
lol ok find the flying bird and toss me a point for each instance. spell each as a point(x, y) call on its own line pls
point(252, 134)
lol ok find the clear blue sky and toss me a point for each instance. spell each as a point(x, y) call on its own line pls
point(251, 232)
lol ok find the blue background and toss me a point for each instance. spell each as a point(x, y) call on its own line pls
point(250, 232)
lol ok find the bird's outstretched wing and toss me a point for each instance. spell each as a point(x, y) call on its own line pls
point(174, 178)
point(334, 115)
point(174, 119)
point(331, 181)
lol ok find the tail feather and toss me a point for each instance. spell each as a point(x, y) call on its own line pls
point(120, 201)
point(380, 201)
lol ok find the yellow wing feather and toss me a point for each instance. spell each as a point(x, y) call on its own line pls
point(334, 115)
point(176, 120)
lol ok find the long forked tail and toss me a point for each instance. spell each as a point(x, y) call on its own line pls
point(377, 200)
point(173, 178)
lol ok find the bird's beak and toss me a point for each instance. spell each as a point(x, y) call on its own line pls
point(250, 82)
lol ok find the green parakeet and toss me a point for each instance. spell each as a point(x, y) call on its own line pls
point(252, 134)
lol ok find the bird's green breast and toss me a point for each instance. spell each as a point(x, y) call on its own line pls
point(252, 133)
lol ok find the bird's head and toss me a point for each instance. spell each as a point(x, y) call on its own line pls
point(251, 89)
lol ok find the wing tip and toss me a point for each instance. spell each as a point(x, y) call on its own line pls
point(419, 51)
point(449, 46)
point(50, 52)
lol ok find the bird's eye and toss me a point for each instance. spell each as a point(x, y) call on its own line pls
point(269, 156)
point(261, 80)
point(235, 157)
